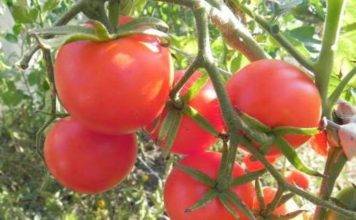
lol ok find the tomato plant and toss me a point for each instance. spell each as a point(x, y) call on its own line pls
point(113, 87)
point(268, 196)
point(86, 161)
point(261, 90)
point(346, 198)
point(298, 178)
point(191, 138)
point(181, 191)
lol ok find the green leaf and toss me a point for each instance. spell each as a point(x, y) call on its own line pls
point(283, 130)
point(196, 174)
point(200, 120)
point(195, 88)
point(248, 177)
point(50, 5)
point(289, 152)
point(22, 13)
point(211, 194)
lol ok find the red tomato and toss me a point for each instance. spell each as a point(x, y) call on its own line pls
point(277, 94)
point(86, 161)
point(191, 138)
point(299, 179)
point(255, 165)
point(320, 143)
point(114, 87)
point(268, 196)
point(181, 191)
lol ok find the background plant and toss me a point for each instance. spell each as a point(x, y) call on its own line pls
point(28, 190)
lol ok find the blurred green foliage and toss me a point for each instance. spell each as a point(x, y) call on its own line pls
point(26, 188)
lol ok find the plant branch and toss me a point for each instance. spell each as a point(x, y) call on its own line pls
point(70, 14)
point(277, 35)
point(236, 35)
point(325, 63)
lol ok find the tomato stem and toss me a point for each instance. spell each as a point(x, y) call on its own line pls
point(324, 65)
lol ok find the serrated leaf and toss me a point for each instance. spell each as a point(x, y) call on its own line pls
point(248, 177)
point(211, 194)
point(200, 120)
point(197, 175)
point(289, 152)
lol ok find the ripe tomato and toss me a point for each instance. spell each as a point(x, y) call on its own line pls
point(86, 161)
point(319, 143)
point(347, 197)
point(181, 191)
point(277, 94)
point(299, 179)
point(114, 87)
point(191, 138)
point(268, 195)
point(255, 165)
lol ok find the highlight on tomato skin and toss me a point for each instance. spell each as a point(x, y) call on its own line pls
point(191, 138)
point(261, 90)
point(85, 161)
point(181, 190)
point(297, 178)
point(114, 87)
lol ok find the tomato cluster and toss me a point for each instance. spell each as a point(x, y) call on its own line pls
point(112, 89)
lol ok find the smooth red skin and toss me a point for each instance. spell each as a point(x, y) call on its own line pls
point(299, 179)
point(320, 143)
point(255, 165)
point(268, 196)
point(86, 161)
point(191, 138)
point(114, 87)
point(181, 191)
point(277, 94)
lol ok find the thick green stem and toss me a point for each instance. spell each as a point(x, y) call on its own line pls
point(324, 68)
point(334, 165)
point(325, 63)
